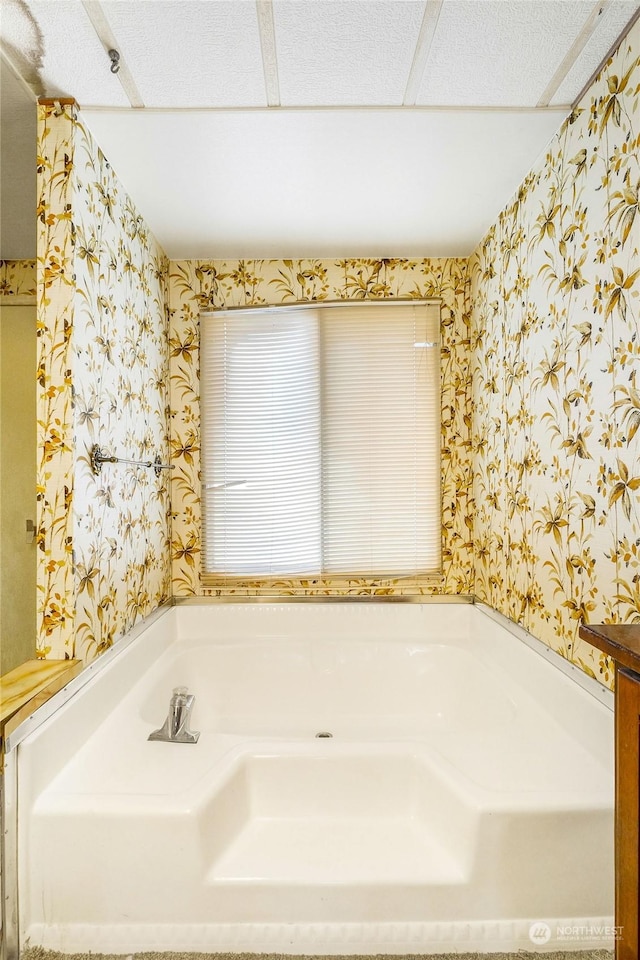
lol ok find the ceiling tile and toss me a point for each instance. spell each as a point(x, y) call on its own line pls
point(190, 53)
point(342, 53)
point(74, 62)
point(610, 26)
point(499, 52)
point(22, 41)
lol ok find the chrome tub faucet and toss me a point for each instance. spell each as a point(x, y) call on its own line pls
point(176, 727)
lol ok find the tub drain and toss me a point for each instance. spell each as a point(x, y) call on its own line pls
point(324, 734)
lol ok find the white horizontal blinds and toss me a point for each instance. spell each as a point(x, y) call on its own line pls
point(381, 439)
point(321, 440)
point(260, 408)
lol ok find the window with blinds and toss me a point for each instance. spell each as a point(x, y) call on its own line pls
point(321, 440)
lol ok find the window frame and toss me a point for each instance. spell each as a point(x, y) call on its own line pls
point(326, 581)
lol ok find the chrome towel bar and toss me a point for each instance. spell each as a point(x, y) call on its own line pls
point(98, 457)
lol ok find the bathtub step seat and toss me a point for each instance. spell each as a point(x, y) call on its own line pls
point(348, 832)
point(336, 816)
point(337, 850)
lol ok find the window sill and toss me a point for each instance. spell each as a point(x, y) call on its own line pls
point(355, 585)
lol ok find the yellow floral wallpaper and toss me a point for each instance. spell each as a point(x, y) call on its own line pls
point(17, 278)
point(196, 285)
point(103, 379)
point(556, 370)
point(55, 300)
point(540, 401)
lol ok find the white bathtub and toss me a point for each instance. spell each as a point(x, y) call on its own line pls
point(466, 792)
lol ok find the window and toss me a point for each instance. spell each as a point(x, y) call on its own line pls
point(321, 440)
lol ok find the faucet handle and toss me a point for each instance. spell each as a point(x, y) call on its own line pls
point(176, 727)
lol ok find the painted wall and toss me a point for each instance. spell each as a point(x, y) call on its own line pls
point(17, 462)
point(17, 482)
point(556, 371)
point(102, 378)
point(196, 285)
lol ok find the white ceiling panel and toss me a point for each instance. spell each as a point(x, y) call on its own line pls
point(499, 52)
point(305, 183)
point(610, 25)
point(74, 62)
point(345, 53)
point(190, 53)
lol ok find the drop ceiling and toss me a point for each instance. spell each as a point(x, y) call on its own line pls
point(316, 127)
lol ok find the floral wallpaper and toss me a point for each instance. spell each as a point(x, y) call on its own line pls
point(17, 278)
point(55, 302)
point(196, 285)
point(540, 401)
point(556, 379)
point(103, 375)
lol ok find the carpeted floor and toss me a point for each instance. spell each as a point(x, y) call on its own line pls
point(37, 953)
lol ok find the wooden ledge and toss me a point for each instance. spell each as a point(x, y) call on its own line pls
point(52, 101)
point(620, 641)
point(30, 685)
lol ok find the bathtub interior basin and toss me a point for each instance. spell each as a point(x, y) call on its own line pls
point(296, 686)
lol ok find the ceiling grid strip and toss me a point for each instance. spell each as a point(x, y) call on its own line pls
point(266, 27)
point(610, 52)
point(104, 32)
point(423, 46)
point(573, 52)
